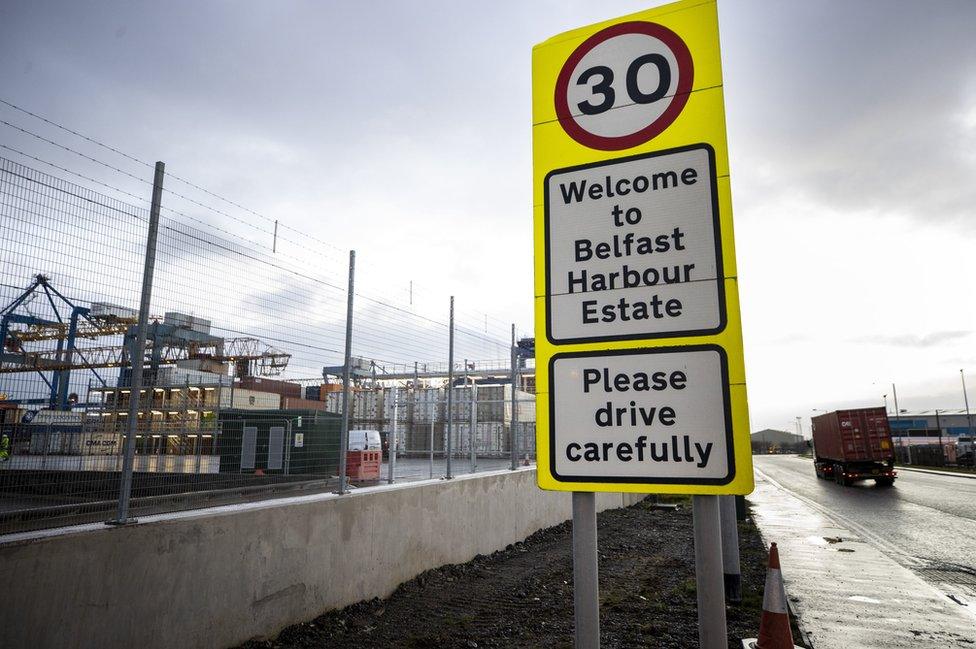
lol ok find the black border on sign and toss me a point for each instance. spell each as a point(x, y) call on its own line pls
point(726, 396)
point(716, 224)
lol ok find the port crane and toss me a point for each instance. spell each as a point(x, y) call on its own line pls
point(67, 324)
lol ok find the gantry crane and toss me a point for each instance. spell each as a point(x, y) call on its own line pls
point(165, 343)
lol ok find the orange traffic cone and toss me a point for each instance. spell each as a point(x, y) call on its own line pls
point(774, 627)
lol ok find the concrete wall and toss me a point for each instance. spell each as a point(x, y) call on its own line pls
point(218, 577)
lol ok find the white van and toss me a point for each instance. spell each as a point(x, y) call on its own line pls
point(364, 440)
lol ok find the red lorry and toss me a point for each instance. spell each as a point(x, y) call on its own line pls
point(852, 445)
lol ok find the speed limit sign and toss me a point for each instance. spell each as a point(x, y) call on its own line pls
point(624, 85)
point(640, 382)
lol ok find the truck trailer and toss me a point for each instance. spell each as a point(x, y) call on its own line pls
point(852, 445)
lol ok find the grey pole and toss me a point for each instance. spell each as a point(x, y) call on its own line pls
point(139, 353)
point(712, 632)
point(514, 437)
point(894, 393)
point(288, 444)
point(969, 419)
point(586, 572)
point(464, 390)
point(431, 442)
point(344, 434)
point(394, 393)
point(473, 425)
point(730, 550)
point(450, 390)
point(413, 437)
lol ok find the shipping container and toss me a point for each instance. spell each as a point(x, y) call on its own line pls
point(291, 403)
point(108, 310)
point(249, 399)
point(184, 321)
point(284, 388)
point(851, 445)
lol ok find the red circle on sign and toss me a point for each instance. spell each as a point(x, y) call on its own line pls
point(686, 74)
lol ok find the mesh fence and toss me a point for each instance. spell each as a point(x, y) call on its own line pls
point(241, 395)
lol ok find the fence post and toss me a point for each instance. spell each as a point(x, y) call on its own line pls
point(395, 395)
point(450, 390)
point(513, 443)
point(344, 431)
point(431, 441)
point(413, 437)
point(473, 425)
point(135, 377)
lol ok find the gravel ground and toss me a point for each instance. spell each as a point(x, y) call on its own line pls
point(522, 596)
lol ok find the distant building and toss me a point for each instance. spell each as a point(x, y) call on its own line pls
point(926, 427)
point(776, 441)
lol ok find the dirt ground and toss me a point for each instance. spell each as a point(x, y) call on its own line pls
point(522, 596)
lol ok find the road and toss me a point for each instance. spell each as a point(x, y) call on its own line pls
point(925, 522)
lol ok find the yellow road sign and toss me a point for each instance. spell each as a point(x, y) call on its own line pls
point(640, 375)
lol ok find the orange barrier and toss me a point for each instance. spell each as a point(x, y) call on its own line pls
point(363, 465)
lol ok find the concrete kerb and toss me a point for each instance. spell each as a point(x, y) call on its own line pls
point(220, 576)
point(953, 474)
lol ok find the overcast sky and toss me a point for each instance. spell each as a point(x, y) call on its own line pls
point(403, 130)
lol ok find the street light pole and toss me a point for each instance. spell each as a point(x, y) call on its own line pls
point(969, 419)
point(894, 392)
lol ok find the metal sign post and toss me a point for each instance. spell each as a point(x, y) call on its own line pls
point(712, 632)
point(586, 586)
point(730, 550)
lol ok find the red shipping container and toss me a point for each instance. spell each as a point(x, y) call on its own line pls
point(290, 403)
point(284, 388)
point(860, 435)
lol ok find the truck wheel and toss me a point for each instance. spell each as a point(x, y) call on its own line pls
point(839, 475)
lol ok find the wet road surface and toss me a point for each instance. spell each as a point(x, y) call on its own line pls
point(926, 522)
point(870, 566)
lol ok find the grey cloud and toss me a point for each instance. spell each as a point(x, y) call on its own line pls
point(857, 106)
point(913, 340)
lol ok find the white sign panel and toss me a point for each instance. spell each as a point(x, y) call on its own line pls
point(658, 415)
point(633, 248)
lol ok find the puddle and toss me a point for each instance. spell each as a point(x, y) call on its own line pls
point(862, 598)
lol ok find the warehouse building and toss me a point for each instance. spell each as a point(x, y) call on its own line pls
point(927, 426)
